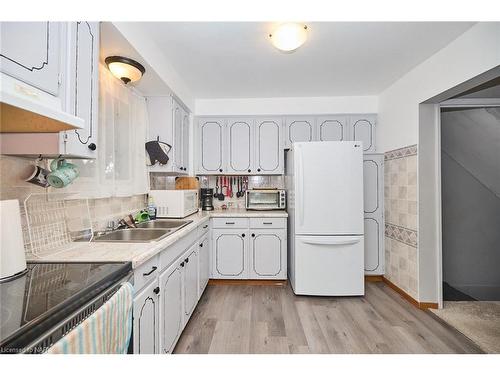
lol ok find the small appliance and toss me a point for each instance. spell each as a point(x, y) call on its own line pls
point(265, 199)
point(175, 203)
point(207, 197)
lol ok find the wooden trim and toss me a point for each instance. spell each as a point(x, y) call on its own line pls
point(247, 282)
point(406, 296)
point(373, 278)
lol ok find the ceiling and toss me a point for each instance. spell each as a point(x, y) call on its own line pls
point(236, 59)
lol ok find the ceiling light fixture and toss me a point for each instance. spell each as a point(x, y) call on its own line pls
point(126, 69)
point(289, 36)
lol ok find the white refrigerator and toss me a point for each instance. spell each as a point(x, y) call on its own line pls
point(324, 183)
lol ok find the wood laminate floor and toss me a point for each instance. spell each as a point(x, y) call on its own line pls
point(271, 319)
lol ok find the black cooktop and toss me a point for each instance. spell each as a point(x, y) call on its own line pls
point(44, 296)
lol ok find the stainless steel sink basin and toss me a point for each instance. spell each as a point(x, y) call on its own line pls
point(134, 235)
point(164, 223)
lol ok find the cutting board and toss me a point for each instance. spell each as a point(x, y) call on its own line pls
point(187, 183)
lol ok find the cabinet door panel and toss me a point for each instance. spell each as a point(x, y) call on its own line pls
point(177, 124)
point(145, 321)
point(269, 152)
point(230, 254)
point(240, 137)
point(372, 244)
point(363, 129)
point(204, 257)
point(266, 253)
point(31, 52)
point(191, 281)
point(332, 128)
point(371, 182)
point(170, 307)
point(82, 87)
point(299, 130)
point(211, 133)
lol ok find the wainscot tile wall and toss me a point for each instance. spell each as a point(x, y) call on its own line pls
point(58, 216)
point(401, 236)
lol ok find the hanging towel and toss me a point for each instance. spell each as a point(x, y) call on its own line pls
point(106, 331)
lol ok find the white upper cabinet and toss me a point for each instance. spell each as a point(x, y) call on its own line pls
point(240, 139)
point(169, 123)
point(82, 88)
point(269, 153)
point(362, 128)
point(211, 152)
point(32, 52)
point(299, 129)
point(332, 128)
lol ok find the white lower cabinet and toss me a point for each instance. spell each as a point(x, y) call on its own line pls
point(171, 307)
point(146, 320)
point(257, 250)
point(267, 254)
point(230, 247)
point(190, 280)
point(204, 263)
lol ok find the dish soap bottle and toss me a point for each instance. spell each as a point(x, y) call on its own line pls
point(151, 209)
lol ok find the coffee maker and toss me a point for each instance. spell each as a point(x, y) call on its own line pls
point(207, 197)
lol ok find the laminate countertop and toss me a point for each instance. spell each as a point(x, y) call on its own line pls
point(138, 253)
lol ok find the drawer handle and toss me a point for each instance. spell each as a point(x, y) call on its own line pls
point(267, 223)
point(186, 260)
point(182, 264)
point(205, 227)
point(156, 290)
point(201, 245)
point(230, 222)
point(153, 269)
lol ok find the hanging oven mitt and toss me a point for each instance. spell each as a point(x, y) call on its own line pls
point(157, 152)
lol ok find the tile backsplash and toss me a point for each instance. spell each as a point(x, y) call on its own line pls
point(56, 214)
point(401, 220)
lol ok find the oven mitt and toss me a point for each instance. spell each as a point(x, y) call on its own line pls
point(157, 153)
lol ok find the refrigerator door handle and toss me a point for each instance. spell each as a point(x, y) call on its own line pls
point(330, 240)
point(301, 184)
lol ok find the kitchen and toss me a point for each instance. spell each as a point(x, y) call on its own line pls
point(212, 205)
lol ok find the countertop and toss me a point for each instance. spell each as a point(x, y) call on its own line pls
point(138, 253)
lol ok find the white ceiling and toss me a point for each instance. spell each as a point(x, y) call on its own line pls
point(236, 60)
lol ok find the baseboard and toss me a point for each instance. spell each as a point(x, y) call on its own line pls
point(374, 278)
point(406, 296)
point(247, 282)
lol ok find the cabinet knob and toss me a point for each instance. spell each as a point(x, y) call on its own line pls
point(201, 245)
point(243, 235)
point(253, 234)
point(186, 260)
point(182, 264)
point(249, 170)
point(258, 169)
point(156, 290)
point(92, 146)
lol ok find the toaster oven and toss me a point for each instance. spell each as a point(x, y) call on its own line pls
point(265, 199)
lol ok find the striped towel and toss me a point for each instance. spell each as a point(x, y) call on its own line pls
point(106, 331)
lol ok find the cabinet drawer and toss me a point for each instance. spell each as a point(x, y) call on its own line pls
point(230, 222)
point(203, 228)
point(146, 272)
point(175, 250)
point(269, 222)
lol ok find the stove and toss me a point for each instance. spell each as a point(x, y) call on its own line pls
point(36, 302)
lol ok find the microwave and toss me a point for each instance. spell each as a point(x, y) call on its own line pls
point(265, 199)
point(175, 203)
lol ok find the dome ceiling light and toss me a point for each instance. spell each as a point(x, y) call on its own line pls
point(287, 37)
point(126, 69)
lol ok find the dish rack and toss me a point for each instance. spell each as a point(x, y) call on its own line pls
point(54, 221)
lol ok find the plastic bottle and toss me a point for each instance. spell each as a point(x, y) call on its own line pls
point(151, 208)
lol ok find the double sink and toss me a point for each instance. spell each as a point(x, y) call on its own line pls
point(148, 231)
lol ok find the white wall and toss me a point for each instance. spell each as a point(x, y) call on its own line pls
point(291, 105)
point(474, 52)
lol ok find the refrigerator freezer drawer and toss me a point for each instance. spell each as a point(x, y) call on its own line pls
point(329, 266)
